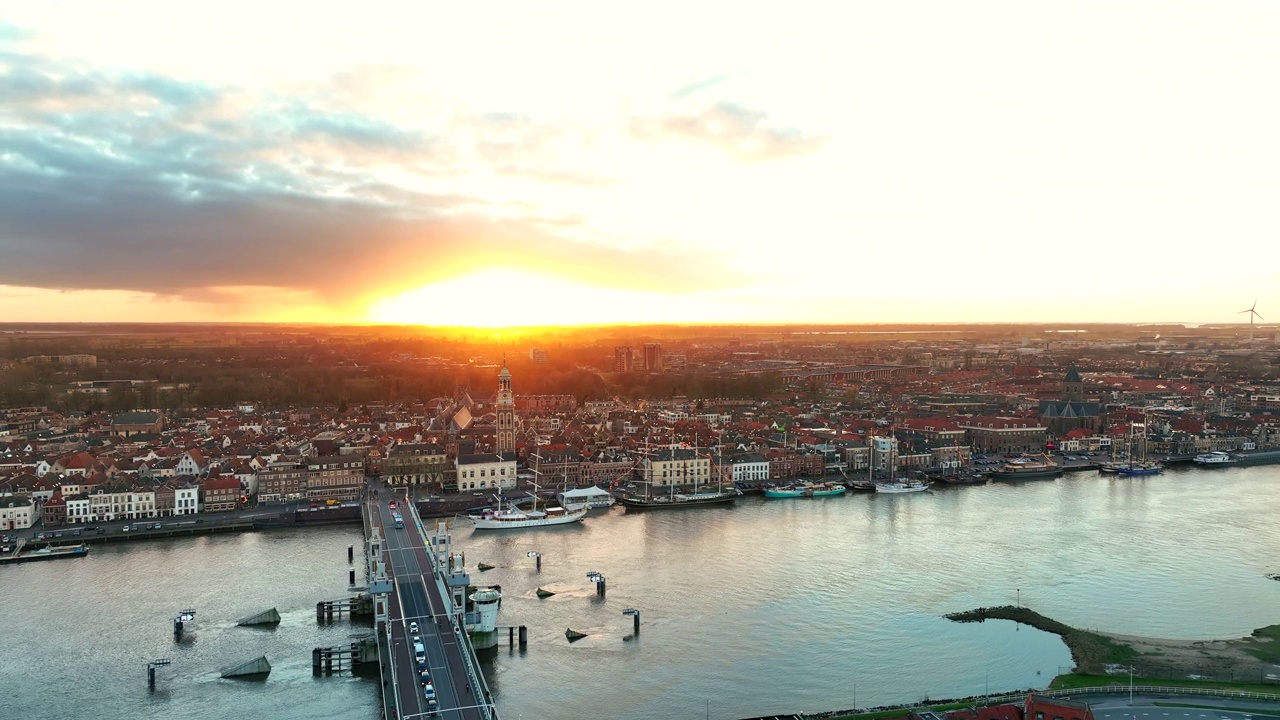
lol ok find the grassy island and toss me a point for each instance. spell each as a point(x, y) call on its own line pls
point(1091, 652)
point(1106, 655)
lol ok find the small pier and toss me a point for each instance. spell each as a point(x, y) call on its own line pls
point(350, 658)
point(522, 631)
point(358, 606)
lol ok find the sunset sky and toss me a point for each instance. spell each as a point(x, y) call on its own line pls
point(543, 163)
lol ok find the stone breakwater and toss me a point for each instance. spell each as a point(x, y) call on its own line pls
point(1090, 651)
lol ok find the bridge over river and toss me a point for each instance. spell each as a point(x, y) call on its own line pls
point(416, 579)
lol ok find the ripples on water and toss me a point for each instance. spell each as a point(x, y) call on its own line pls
point(766, 607)
point(79, 633)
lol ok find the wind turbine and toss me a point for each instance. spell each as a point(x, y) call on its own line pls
point(1252, 314)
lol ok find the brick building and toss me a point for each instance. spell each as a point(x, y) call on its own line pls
point(1005, 434)
point(221, 494)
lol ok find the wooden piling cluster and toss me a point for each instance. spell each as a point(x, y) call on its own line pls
point(326, 609)
point(330, 660)
point(511, 635)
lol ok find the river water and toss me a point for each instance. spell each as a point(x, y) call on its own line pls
point(770, 606)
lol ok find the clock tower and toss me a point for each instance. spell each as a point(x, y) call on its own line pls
point(506, 435)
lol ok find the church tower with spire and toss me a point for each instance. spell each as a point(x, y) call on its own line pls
point(1072, 385)
point(506, 430)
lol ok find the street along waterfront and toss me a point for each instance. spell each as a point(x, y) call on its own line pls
point(745, 610)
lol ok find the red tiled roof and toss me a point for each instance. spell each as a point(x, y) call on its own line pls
point(223, 484)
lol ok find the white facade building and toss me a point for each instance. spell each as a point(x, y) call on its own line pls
point(753, 469)
point(186, 500)
point(124, 505)
point(77, 510)
point(486, 471)
point(676, 466)
point(16, 514)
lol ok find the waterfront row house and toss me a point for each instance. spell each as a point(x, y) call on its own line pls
point(410, 464)
point(604, 470)
point(676, 466)
point(17, 513)
point(104, 504)
point(282, 483)
point(335, 478)
point(557, 469)
point(221, 494)
point(750, 469)
point(486, 471)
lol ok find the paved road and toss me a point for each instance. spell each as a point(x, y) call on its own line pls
point(1140, 712)
point(418, 599)
point(1143, 708)
point(115, 528)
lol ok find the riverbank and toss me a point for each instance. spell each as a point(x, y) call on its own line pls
point(1112, 654)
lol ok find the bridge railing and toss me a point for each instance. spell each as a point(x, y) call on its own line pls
point(388, 673)
point(476, 678)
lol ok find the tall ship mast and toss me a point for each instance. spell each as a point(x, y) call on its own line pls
point(674, 464)
point(512, 517)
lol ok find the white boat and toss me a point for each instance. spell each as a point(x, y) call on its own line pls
point(902, 485)
point(513, 517)
point(592, 498)
point(1214, 459)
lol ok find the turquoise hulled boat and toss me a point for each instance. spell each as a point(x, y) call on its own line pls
point(805, 489)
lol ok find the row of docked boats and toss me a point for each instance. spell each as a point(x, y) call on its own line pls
point(827, 489)
point(575, 504)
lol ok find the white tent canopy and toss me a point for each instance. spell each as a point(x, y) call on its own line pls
point(583, 493)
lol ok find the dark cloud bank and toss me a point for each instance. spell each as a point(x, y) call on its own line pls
point(141, 182)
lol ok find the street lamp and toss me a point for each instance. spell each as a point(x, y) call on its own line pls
point(538, 556)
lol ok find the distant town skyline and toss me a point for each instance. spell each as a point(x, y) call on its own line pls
point(570, 163)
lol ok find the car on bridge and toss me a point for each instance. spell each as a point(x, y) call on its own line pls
point(413, 627)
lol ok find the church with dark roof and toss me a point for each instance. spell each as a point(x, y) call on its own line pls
point(1071, 412)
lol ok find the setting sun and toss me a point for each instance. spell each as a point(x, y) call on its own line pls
point(509, 297)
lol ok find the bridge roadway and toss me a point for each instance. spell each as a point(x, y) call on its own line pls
point(417, 598)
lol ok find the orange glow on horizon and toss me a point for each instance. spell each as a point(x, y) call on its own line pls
point(509, 297)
